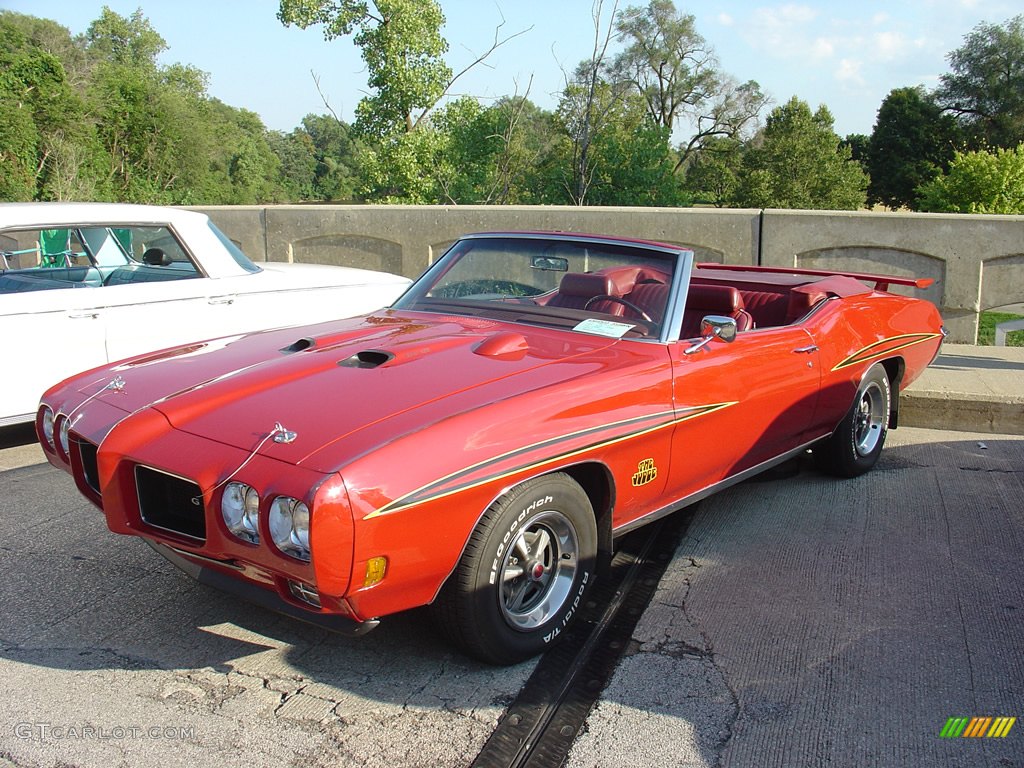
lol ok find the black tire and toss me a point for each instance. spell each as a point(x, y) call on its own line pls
point(857, 442)
point(524, 573)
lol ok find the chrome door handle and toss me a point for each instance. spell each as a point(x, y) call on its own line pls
point(222, 300)
point(806, 350)
point(83, 315)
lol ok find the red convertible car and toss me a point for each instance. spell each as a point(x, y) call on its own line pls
point(479, 446)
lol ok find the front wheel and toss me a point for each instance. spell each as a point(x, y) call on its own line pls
point(857, 442)
point(524, 573)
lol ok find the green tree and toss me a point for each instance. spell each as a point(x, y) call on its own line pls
point(713, 174)
point(979, 182)
point(632, 163)
point(336, 151)
point(798, 162)
point(858, 144)
point(986, 86)
point(399, 168)
point(496, 155)
point(402, 45)
point(521, 139)
point(56, 40)
point(678, 76)
point(47, 150)
point(912, 141)
point(165, 140)
point(297, 156)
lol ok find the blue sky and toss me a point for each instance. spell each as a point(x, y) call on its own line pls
point(843, 55)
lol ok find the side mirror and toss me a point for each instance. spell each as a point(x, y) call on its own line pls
point(714, 327)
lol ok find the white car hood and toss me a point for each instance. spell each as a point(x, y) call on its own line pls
point(284, 276)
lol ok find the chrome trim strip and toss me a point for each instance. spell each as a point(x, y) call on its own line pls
point(693, 498)
point(672, 323)
point(202, 558)
point(574, 237)
point(18, 418)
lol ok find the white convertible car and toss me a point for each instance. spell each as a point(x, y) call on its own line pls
point(83, 284)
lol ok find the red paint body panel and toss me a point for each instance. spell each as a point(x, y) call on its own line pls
point(408, 423)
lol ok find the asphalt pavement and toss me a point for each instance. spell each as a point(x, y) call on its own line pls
point(808, 621)
point(803, 621)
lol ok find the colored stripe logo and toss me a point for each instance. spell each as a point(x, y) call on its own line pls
point(977, 727)
point(885, 347)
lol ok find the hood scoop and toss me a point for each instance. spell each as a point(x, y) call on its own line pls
point(367, 358)
point(298, 346)
point(503, 346)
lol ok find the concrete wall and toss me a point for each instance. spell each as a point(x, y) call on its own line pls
point(976, 261)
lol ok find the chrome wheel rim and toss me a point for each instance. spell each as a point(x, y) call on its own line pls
point(869, 421)
point(538, 570)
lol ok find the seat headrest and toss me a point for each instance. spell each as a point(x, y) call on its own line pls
point(586, 284)
point(155, 257)
point(723, 299)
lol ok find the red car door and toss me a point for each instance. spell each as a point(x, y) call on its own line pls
point(740, 404)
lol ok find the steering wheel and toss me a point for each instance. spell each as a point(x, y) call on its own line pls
point(624, 302)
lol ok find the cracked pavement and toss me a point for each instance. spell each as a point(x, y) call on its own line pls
point(109, 656)
point(803, 621)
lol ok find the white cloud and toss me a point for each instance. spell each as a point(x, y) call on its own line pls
point(780, 31)
point(725, 20)
point(822, 48)
point(849, 72)
point(797, 14)
point(889, 45)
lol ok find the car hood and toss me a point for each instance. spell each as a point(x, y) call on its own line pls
point(279, 275)
point(323, 384)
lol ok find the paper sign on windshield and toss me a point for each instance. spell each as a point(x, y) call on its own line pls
point(607, 328)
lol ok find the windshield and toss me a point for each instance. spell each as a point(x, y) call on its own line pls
point(236, 253)
point(609, 288)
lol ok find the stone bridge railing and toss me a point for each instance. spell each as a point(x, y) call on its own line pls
point(977, 261)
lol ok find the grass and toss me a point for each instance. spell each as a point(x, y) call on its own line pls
point(987, 329)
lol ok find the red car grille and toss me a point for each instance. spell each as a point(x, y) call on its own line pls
point(170, 503)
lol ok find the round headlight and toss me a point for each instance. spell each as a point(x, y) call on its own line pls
point(300, 526)
point(251, 521)
point(48, 424)
point(240, 508)
point(289, 526)
point(281, 522)
point(65, 441)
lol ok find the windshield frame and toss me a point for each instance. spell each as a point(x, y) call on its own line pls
point(677, 259)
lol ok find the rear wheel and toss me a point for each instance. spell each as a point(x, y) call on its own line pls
point(523, 575)
point(857, 442)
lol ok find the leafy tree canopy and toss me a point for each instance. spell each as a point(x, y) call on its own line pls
point(402, 45)
point(985, 88)
point(979, 182)
point(913, 140)
point(798, 162)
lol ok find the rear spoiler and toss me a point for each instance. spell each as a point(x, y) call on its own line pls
point(882, 282)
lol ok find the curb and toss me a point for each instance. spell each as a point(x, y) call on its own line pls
point(962, 413)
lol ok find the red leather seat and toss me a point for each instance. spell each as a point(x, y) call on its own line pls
point(651, 297)
point(703, 300)
point(578, 288)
